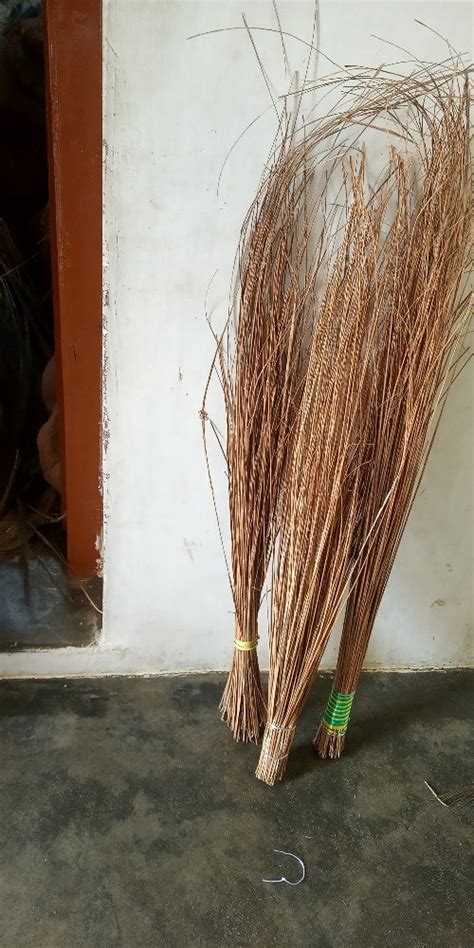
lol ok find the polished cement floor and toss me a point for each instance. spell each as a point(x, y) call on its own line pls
point(129, 818)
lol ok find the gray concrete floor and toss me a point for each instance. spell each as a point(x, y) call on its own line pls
point(129, 818)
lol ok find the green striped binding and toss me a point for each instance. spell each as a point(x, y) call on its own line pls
point(337, 713)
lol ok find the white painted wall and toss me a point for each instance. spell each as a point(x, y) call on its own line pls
point(173, 107)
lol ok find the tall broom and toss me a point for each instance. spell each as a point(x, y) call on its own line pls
point(259, 362)
point(419, 280)
point(319, 512)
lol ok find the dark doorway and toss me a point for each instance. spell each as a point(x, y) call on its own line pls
point(50, 326)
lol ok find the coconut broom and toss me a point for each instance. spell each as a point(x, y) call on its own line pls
point(259, 359)
point(419, 279)
point(242, 705)
point(319, 509)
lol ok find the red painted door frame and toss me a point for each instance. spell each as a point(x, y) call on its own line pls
point(73, 48)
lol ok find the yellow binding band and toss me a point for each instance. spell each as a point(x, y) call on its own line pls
point(242, 646)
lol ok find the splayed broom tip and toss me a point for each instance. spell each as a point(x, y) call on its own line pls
point(243, 706)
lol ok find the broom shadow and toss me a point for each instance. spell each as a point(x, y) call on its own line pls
point(424, 698)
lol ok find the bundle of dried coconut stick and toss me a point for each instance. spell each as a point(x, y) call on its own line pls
point(419, 281)
point(341, 342)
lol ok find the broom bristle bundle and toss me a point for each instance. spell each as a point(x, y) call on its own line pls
point(329, 744)
point(274, 753)
point(242, 705)
point(259, 361)
point(338, 353)
point(319, 511)
point(420, 276)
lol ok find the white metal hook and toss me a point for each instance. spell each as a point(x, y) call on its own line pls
point(283, 879)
